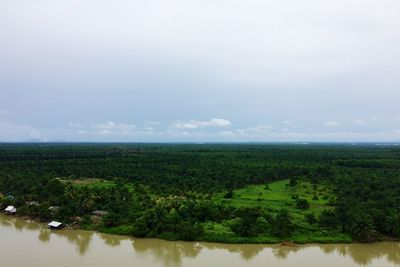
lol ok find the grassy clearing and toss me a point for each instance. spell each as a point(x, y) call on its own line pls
point(280, 195)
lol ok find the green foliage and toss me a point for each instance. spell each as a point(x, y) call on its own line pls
point(328, 219)
point(225, 193)
point(229, 194)
point(282, 224)
point(302, 204)
point(392, 223)
point(363, 228)
point(311, 219)
point(250, 222)
point(293, 181)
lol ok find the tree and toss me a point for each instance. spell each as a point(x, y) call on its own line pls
point(310, 218)
point(363, 228)
point(327, 219)
point(282, 223)
point(293, 181)
point(250, 223)
point(392, 223)
point(140, 227)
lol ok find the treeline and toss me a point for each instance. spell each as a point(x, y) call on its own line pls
point(167, 169)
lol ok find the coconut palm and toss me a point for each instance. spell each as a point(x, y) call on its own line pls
point(363, 229)
point(392, 223)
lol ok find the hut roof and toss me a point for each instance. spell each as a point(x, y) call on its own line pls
point(11, 209)
point(54, 224)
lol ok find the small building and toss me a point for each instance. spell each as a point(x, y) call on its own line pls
point(99, 213)
point(11, 210)
point(55, 225)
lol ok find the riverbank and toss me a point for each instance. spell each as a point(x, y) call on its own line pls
point(41, 247)
point(299, 238)
point(340, 238)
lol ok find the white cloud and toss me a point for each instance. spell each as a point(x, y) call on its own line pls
point(107, 128)
point(193, 124)
point(331, 123)
point(153, 123)
point(112, 127)
point(257, 130)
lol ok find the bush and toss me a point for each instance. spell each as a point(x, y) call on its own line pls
point(327, 219)
point(229, 194)
point(310, 218)
point(282, 224)
point(302, 204)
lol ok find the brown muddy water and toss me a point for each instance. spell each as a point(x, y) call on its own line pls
point(24, 243)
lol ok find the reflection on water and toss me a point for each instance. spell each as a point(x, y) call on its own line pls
point(81, 239)
point(363, 254)
point(112, 240)
point(168, 253)
point(44, 235)
point(246, 252)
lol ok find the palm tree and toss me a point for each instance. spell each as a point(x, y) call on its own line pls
point(363, 229)
point(69, 192)
point(392, 223)
point(87, 199)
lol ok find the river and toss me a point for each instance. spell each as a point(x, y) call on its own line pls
point(24, 243)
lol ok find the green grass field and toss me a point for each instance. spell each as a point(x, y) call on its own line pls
point(280, 195)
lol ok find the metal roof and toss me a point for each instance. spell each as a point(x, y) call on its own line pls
point(54, 224)
point(11, 209)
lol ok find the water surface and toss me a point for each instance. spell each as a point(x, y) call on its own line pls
point(24, 243)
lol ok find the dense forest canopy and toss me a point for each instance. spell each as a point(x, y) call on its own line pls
point(195, 191)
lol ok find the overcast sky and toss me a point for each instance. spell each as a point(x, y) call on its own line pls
point(200, 70)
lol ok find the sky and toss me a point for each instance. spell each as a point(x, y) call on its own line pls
point(200, 71)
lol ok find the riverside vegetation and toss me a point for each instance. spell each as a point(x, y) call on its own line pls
point(242, 193)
